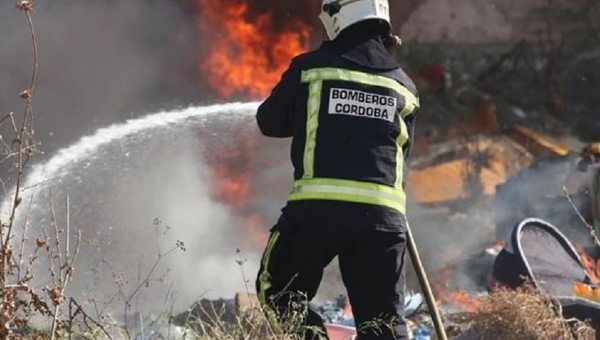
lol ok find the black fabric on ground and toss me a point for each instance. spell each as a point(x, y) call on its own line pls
point(551, 259)
point(539, 251)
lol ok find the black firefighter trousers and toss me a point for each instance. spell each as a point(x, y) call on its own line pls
point(372, 267)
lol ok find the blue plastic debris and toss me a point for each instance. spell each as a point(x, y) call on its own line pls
point(412, 303)
point(422, 333)
point(332, 311)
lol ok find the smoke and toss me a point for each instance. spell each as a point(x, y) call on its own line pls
point(140, 194)
point(305, 11)
point(99, 62)
point(146, 219)
point(210, 266)
point(102, 63)
point(455, 235)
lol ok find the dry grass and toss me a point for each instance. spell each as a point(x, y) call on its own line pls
point(209, 322)
point(524, 314)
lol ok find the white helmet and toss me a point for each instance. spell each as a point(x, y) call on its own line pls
point(337, 15)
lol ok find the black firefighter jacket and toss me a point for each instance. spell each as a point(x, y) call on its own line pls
point(351, 110)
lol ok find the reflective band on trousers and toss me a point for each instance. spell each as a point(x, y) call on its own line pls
point(349, 191)
point(265, 283)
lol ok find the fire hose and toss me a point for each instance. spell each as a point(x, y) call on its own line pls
point(425, 286)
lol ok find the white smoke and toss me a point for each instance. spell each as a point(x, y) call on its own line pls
point(121, 179)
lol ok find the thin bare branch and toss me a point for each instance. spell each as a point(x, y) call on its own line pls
point(59, 253)
point(87, 318)
point(67, 243)
point(590, 228)
point(26, 6)
point(6, 117)
point(24, 238)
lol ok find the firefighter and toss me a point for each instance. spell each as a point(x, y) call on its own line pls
point(350, 110)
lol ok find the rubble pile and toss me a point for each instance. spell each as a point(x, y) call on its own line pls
point(466, 315)
point(488, 134)
point(495, 165)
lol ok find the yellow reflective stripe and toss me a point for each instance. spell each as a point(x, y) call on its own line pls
point(400, 141)
point(312, 124)
point(348, 198)
point(265, 283)
point(349, 191)
point(348, 183)
point(328, 73)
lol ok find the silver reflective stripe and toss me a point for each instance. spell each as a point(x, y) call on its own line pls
point(347, 190)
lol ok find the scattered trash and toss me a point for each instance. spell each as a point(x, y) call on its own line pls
point(340, 332)
point(422, 333)
point(334, 312)
point(337, 312)
point(412, 303)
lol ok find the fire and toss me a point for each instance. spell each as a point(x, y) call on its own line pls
point(464, 300)
point(585, 291)
point(447, 295)
point(243, 54)
point(256, 229)
point(249, 53)
point(230, 186)
point(230, 168)
point(231, 171)
point(591, 266)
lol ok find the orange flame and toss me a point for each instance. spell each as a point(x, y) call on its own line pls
point(231, 182)
point(591, 266)
point(231, 172)
point(256, 230)
point(249, 54)
point(447, 295)
point(586, 291)
point(245, 56)
point(464, 300)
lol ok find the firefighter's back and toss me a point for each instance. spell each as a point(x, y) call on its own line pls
point(349, 149)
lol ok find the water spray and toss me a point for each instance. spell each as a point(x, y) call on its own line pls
point(118, 180)
point(54, 168)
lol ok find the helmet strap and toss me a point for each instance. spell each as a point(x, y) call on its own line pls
point(332, 8)
point(391, 42)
